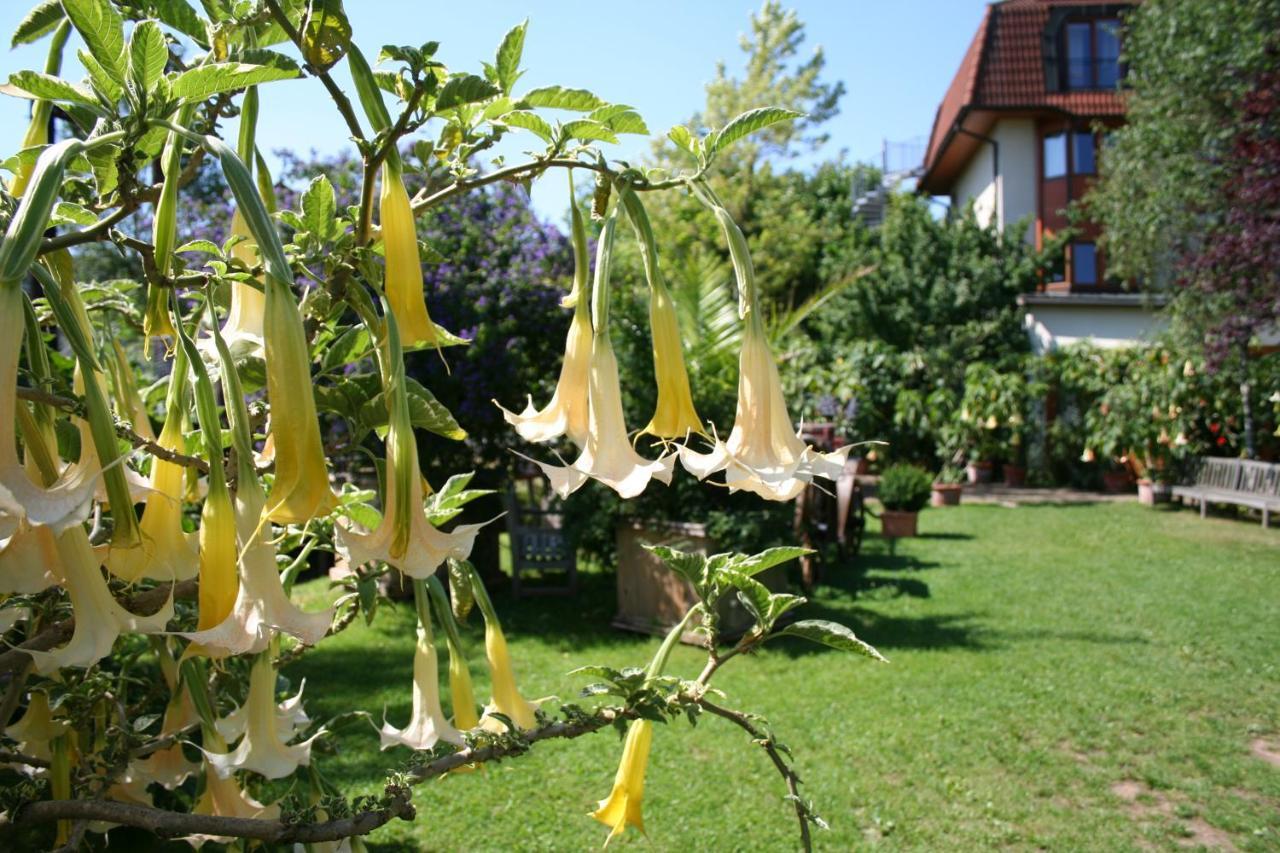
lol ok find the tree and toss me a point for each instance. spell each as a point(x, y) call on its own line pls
point(1187, 194)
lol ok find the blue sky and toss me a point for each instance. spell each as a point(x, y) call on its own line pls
point(895, 58)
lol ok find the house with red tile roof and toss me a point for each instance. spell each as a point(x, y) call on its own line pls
point(1017, 136)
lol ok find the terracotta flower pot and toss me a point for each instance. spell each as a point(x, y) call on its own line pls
point(1116, 482)
point(946, 494)
point(895, 524)
point(1015, 476)
point(1150, 493)
point(978, 472)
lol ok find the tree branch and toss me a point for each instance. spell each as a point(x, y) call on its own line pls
point(7, 757)
point(75, 407)
point(143, 603)
point(767, 743)
point(340, 99)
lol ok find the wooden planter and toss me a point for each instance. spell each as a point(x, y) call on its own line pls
point(1015, 476)
point(1152, 493)
point(652, 598)
point(946, 494)
point(894, 524)
point(979, 472)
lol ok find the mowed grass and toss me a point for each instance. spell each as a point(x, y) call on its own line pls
point(1100, 677)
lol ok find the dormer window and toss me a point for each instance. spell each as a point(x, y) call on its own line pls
point(1092, 52)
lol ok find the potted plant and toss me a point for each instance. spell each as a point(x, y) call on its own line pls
point(904, 490)
point(947, 486)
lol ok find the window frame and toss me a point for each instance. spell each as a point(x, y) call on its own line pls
point(1075, 278)
point(1092, 60)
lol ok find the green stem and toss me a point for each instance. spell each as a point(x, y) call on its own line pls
point(659, 661)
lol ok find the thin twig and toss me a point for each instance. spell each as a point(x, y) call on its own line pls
point(7, 757)
point(75, 407)
point(767, 743)
point(340, 100)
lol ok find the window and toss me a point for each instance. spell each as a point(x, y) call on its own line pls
point(1084, 263)
point(1055, 155)
point(1082, 159)
point(1092, 51)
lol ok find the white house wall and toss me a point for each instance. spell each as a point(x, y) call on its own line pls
point(1054, 326)
point(1012, 195)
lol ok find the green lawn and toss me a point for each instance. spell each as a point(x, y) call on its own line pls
point(1061, 677)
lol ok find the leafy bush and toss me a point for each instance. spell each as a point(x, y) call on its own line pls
point(905, 488)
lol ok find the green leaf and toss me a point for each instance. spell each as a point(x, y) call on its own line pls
point(263, 56)
point(529, 121)
point(106, 173)
point(683, 139)
point(767, 559)
point(106, 85)
point(41, 19)
point(326, 33)
point(465, 89)
point(560, 98)
point(33, 84)
point(68, 213)
point(509, 54)
point(200, 246)
point(318, 207)
point(179, 15)
point(148, 54)
point(102, 29)
point(691, 567)
point(348, 348)
point(196, 84)
point(585, 129)
point(746, 124)
point(620, 118)
point(426, 412)
point(449, 500)
point(830, 634)
point(754, 596)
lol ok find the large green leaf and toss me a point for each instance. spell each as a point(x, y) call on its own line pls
point(430, 414)
point(33, 84)
point(691, 567)
point(326, 33)
point(746, 124)
point(509, 54)
point(587, 130)
point(465, 89)
point(148, 54)
point(529, 121)
point(104, 82)
point(196, 84)
point(620, 118)
point(560, 98)
point(41, 19)
point(102, 29)
point(318, 207)
point(831, 634)
point(179, 15)
point(681, 136)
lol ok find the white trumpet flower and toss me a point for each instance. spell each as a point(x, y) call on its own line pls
point(28, 558)
point(261, 748)
point(290, 719)
point(223, 797)
point(427, 723)
point(99, 618)
point(35, 731)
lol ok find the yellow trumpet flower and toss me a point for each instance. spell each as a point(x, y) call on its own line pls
point(219, 581)
point(223, 797)
point(301, 488)
point(568, 412)
point(168, 767)
point(261, 747)
point(28, 558)
point(36, 730)
point(621, 808)
point(99, 618)
point(243, 328)
point(427, 725)
point(506, 695)
point(403, 284)
point(675, 415)
point(129, 405)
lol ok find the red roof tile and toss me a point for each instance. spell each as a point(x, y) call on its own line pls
point(1003, 69)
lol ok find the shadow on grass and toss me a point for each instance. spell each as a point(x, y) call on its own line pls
point(952, 536)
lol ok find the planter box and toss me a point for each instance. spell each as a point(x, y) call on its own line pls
point(894, 524)
point(1150, 493)
point(979, 472)
point(652, 598)
point(946, 494)
point(1015, 476)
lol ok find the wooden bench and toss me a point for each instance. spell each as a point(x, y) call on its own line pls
point(1242, 482)
point(539, 543)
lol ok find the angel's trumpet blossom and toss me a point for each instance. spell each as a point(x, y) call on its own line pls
point(129, 405)
point(621, 808)
point(291, 718)
point(168, 766)
point(167, 551)
point(568, 412)
point(219, 580)
point(427, 725)
point(506, 699)
point(403, 285)
point(405, 537)
point(607, 454)
point(66, 502)
point(261, 749)
point(243, 329)
point(764, 453)
point(28, 559)
point(461, 694)
point(675, 415)
point(99, 618)
point(34, 733)
point(224, 797)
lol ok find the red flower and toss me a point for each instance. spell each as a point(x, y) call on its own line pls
point(1213, 427)
point(1222, 439)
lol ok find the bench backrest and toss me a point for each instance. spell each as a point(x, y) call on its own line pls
point(1260, 478)
point(1218, 473)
